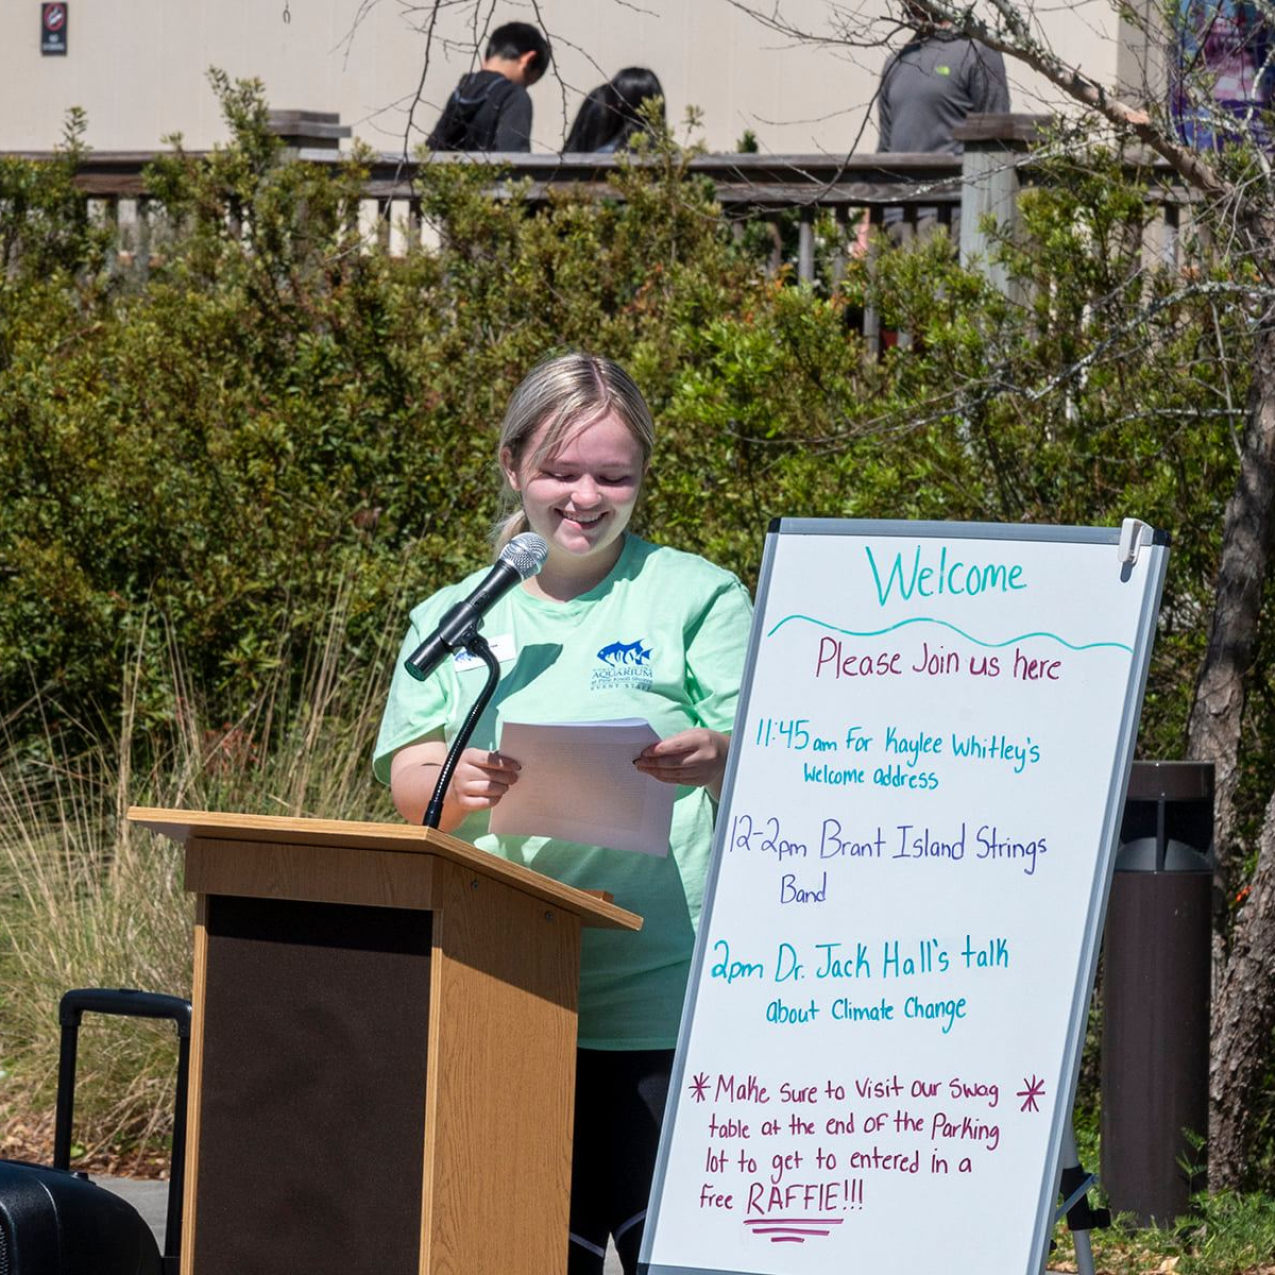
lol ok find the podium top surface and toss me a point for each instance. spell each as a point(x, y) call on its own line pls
point(403, 838)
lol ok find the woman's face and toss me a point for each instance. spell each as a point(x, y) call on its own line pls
point(581, 497)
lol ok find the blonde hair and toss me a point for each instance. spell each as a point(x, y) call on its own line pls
point(564, 393)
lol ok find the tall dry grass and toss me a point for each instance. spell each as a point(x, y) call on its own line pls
point(87, 900)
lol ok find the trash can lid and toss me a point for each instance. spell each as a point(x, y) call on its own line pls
point(1171, 780)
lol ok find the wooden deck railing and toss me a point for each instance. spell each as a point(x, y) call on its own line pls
point(904, 190)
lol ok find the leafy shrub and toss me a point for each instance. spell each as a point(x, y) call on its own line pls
point(280, 405)
point(278, 415)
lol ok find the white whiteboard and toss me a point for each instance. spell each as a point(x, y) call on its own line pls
point(885, 1014)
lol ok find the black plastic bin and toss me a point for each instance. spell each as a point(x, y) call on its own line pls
point(1156, 993)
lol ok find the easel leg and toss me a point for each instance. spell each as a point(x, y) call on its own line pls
point(1073, 1186)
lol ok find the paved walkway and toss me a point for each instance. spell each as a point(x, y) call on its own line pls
point(150, 1199)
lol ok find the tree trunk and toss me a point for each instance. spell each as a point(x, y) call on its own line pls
point(1243, 1022)
point(1218, 710)
point(1243, 1014)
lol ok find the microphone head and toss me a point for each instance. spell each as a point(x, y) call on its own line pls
point(525, 553)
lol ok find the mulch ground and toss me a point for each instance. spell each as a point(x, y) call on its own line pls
point(1169, 1266)
point(32, 1141)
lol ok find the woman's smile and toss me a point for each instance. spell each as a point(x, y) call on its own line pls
point(581, 497)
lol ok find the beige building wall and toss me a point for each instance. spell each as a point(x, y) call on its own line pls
point(138, 67)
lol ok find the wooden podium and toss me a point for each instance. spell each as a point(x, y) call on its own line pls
point(383, 1053)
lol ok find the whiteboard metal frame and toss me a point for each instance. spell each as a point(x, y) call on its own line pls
point(1151, 541)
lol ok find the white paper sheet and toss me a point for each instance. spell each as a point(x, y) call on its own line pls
point(578, 783)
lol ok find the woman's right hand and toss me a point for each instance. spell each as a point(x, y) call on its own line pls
point(480, 780)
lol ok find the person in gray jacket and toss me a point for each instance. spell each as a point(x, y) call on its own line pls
point(931, 84)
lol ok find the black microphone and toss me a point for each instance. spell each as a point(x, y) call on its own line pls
point(522, 557)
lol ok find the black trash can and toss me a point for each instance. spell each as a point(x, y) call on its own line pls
point(1156, 993)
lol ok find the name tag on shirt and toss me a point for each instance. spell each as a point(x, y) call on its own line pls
point(503, 648)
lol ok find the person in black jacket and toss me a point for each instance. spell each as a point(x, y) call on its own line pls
point(490, 110)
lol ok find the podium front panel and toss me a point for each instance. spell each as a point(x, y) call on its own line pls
point(315, 1035)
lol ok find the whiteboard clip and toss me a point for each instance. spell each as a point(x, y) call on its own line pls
point(1131, 540)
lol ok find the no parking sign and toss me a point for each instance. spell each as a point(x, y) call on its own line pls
point(53, 23)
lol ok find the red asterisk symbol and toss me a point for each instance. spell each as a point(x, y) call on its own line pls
point(1035, 1089)
point(699, 1085)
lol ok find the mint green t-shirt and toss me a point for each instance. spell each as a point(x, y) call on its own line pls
point(663, 638)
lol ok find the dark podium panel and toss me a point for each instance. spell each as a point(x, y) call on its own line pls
point(313, 1087)
point(383, 1057)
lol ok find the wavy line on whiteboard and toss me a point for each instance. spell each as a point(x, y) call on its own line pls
point(945, 624)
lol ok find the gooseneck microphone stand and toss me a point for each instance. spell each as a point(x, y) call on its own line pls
point(473, 642)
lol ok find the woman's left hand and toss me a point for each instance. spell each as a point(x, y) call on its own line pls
point(695, 757)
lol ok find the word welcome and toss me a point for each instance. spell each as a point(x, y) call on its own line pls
point(957, 578)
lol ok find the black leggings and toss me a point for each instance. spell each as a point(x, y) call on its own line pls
point(620, 1097)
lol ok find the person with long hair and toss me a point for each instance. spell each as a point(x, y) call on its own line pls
point(574, 452)
point(611, 115)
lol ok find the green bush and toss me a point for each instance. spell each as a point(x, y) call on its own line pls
point(278, 424)
point(279, 405)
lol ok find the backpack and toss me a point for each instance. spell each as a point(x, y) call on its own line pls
point(469, 123)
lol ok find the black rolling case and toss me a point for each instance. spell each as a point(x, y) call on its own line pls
point(55, 1222)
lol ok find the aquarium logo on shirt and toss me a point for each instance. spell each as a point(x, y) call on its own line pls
point(625, 665)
